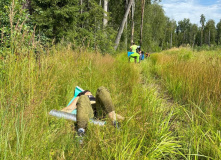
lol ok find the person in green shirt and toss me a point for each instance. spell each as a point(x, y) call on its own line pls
point(133, 47)
point(134, 57)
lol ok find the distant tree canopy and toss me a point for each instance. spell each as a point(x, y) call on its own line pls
point(80, 22)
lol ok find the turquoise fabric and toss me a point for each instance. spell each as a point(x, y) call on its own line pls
point(74, 111)
point(76, 92)
point(129, 53)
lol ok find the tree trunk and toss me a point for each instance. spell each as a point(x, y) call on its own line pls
point(201, 42)
point(184, 37)
point(194, 40)
point(27, 5)
point(81, 3)
point(132, 26)
point(142, 17)
point(209, 37)
point(171, 39)
point(126, 4)
point(105, 13)
point(122, 25)
point(88, 5)
point(81, 11)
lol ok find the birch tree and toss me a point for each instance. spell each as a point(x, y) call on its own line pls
point(142, 17)
point(81, 4)
point(193, 32)
point(218, 29)
point(122, 25)
point(105, 13)
point(132, 25)
point(210, 32)
point(171, 26)
point(126, 4)
point(202, 22)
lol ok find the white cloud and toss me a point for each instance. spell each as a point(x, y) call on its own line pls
point(192, 9)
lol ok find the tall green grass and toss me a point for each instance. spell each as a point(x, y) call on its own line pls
point(31, 86)
point(193, 79)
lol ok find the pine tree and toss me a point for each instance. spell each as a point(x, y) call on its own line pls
point(56, 18)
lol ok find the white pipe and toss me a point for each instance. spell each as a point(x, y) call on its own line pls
point(72, 117)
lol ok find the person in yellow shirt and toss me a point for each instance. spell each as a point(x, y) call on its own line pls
point(134, 57)
point(133, 47)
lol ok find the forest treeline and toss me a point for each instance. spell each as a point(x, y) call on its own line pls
point(96, 25)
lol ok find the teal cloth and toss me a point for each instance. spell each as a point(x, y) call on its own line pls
point(74, 111)
point(76, 92)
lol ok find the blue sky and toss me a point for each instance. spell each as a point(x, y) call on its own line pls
point(192, 9)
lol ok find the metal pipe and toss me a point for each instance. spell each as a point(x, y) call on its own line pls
point(69, 116)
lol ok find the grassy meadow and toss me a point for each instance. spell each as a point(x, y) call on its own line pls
point(171, 102)
point(193, 81)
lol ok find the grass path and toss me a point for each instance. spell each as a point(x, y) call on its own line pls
point(153, 82)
